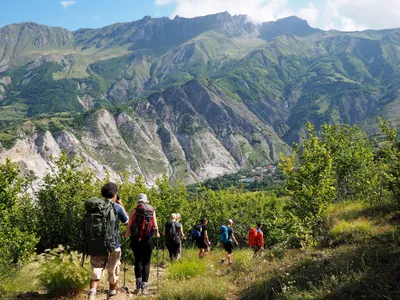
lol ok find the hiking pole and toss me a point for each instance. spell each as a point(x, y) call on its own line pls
point(124, 274)
point(125, 288)
point(163, 260)
point(158, 264)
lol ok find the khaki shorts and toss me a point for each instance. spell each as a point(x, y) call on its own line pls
point(99, 263)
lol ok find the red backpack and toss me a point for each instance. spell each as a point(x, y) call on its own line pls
point(143, 221)
point(252, 237)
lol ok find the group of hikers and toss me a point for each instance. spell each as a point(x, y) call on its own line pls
point(102, 243)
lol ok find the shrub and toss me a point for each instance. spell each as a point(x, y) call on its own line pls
point(62, 271)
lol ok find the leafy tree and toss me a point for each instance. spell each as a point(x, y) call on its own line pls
point(338, 166)
point(311, 183)
point(353, 161)
point(17, 219)
point(389, 161)
point(61, 197)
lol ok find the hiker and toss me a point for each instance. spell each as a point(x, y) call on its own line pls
point(172, 237)
point(227, 238)
point(114, 211)
point(203, 242)
point(142, 227)
point(256, 239)
point(181, 234)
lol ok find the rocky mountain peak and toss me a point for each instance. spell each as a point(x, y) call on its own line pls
point(292, 25)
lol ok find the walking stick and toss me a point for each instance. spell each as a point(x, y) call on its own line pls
point(124, 273)
point(163, 261)
point(124, 259)
point(158, 263)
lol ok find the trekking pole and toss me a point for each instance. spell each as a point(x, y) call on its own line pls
point(124, 259)
point(163, 261)
point(124, 274)
point(158, 263)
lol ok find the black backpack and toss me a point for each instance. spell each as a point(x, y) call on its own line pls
point(98, 227)
point(143, 222)
point(171, 232)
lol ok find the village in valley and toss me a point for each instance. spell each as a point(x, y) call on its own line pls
point(265, 178)
point(258, 174)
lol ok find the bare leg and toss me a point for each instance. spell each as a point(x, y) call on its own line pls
point(94, 284)
point(93, 289)
point(204, 252)
point(113, 286)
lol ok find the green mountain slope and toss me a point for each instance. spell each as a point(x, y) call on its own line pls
point(245, 89)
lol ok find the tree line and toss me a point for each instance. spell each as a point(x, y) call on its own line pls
point(338, 164)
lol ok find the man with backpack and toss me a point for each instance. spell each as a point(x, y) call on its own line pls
point(143, 226)
point(101, 237)
point(200, 236)
point(256, 239)
point(172, 237)
point(227, 238)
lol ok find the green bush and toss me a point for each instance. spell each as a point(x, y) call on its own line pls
point(62, 271)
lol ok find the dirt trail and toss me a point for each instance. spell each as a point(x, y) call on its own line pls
point(130, 284)
point(103, 287)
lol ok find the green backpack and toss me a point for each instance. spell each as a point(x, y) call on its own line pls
point(98, 227)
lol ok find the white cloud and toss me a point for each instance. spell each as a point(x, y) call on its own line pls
point(309, 13)
point(67, 3)
point(327, 14)
point(163, 2)
point(258, 10)
point(361, 14)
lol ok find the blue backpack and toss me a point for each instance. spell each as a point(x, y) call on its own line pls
point(224, 234)
point(196, 233)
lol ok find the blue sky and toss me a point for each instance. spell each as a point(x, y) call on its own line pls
point(82, 14)
point(326, 14)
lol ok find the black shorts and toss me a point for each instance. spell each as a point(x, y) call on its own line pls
point(228, 247)
point(202, 244)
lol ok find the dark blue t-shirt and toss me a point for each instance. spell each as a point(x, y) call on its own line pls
point(120, 215)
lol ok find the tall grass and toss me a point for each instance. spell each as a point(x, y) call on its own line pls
point(351, 231)
point(186, 269)
point(204, 288)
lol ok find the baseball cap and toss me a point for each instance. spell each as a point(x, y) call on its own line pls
point(142, 198)
point(230, 221)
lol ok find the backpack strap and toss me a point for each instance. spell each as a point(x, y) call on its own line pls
point(111, 229)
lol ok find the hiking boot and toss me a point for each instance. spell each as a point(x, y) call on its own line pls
point(145, 290)
point(111, 293)
point(222, 261)
point(138, 286)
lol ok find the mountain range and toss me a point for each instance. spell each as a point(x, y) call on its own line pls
point(190, 98)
